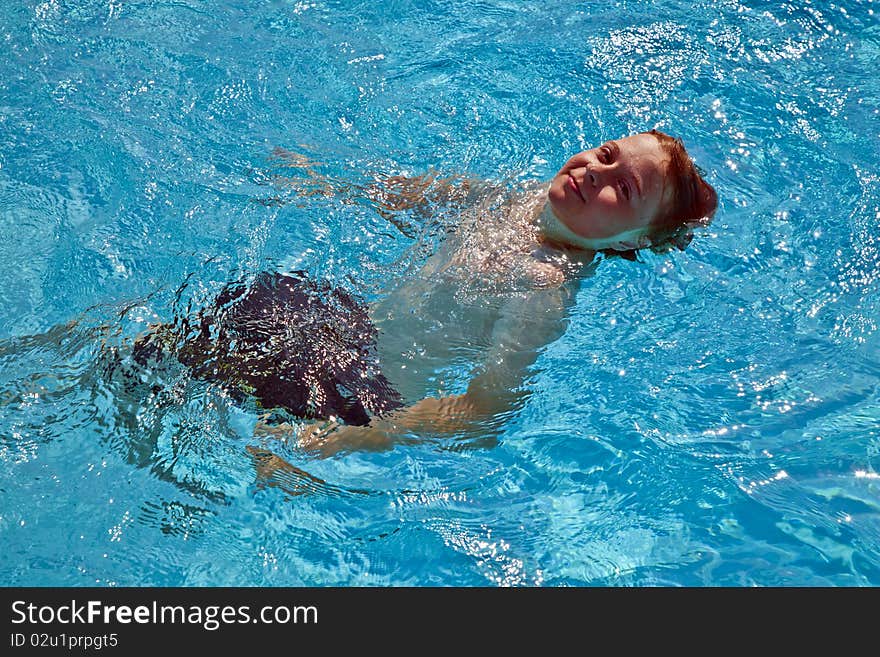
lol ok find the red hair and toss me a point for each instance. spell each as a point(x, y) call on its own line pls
point(688, 200)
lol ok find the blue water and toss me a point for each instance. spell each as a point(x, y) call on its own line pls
point(710, 417)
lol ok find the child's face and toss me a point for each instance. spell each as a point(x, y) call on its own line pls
point(616, 188)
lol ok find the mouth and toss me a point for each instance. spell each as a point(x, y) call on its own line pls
point(577, 190)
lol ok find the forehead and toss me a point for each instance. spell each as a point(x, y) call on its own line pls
point(643, 149)
point(647, 159)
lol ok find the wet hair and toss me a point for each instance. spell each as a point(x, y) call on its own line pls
point(688, 200)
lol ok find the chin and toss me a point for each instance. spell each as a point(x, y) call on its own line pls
point(555, 194)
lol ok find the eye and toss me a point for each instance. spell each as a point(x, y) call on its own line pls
point(604, 155)
point(624, 189)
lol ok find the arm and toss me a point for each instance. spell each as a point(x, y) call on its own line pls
point(526, 325)
point(388, 194)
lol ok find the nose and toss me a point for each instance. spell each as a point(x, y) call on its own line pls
point(590, 178)
point(600, 175)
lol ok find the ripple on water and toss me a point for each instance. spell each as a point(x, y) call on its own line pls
point(709, 418)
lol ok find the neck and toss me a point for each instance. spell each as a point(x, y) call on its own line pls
point(554, 231)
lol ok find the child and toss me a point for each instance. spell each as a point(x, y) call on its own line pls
point(502, 283)
point(496, 292)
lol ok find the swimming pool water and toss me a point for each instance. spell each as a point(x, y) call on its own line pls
point(709, 418)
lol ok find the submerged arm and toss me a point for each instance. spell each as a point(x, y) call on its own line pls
point(387, 193)
point(496, 389)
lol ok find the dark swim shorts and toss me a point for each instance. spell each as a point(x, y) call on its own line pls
point(287, 341)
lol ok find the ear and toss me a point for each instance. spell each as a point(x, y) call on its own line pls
point(631, 245)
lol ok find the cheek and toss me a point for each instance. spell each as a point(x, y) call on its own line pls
point(556, 193)
point(607, 197)
point(613, 211)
